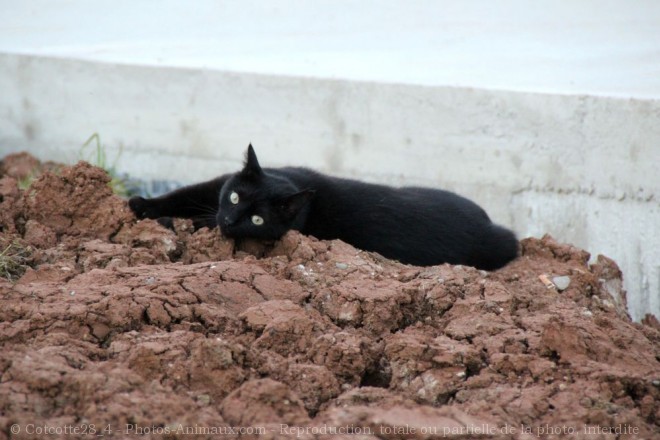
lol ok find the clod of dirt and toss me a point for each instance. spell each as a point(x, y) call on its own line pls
point(163, 333)
point(89, 207)
point(25, 167)
point(263, 401)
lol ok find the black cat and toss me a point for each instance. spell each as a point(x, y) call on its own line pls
point(418, 226)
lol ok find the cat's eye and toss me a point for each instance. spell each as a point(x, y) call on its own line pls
point(233, 197)
point(257, 220)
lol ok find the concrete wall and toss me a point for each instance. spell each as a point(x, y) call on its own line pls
point(585, 169)
point(594, 47)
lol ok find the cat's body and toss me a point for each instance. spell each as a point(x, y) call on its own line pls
point(419, 226)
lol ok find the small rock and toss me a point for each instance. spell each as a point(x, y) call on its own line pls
point(341, 265)
point(562, 283)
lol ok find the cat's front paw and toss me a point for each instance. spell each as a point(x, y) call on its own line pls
point(142, 208)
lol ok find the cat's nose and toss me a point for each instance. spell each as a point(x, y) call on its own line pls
point(227, 221)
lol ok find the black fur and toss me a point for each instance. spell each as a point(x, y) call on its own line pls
point(414, 225)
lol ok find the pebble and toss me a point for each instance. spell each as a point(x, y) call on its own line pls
point(341, 265)
point(587, 313)
point(562, 283)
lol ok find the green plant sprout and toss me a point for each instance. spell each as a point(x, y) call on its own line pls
point(25, 182)
point(117, 183)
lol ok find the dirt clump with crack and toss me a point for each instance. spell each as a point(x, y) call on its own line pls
point(128, 328)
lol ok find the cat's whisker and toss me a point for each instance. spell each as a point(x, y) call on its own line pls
point(202, 207)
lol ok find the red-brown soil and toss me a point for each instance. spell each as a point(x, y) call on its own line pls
point(131, 330)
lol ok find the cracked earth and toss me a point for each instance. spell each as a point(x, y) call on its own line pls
point(125, 325)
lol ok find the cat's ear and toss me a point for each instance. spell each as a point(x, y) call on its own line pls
point(290, 206)
point(251, 168)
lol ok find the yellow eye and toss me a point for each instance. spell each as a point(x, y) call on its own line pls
point(257, 220)
point(233, 197)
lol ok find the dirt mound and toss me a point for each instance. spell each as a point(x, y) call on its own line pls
point(126, 328)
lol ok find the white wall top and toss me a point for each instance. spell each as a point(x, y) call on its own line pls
point(597, 47)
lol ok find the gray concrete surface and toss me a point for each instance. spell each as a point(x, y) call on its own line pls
point(595, 47)
point(549, 118)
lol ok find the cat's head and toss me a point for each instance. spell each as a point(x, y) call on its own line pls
point(255, 203)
